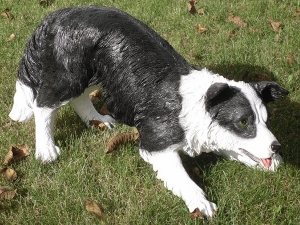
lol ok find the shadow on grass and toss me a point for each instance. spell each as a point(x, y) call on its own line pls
point(67, 124)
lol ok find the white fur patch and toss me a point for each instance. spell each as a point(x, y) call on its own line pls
point(23, 101)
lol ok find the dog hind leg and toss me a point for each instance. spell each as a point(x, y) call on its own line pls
point(86, 110)
point(23, 101)
point(171, 171)
point(46, 151)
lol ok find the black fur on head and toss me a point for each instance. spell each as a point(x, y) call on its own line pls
point(231, 109)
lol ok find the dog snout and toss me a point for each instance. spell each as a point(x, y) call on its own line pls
point(275, 146)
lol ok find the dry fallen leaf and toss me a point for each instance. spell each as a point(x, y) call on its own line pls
point(7, 193)
point(197, 214)
point(192, 7)
point(237, 21)
point(97, 124)
point(297, 13)
point(276, 26)
point(11, 37)
point(95, 96)
point(200, 28)
point(16, 153)
point(8, 173)
point(6, 15)
point(200, 11)
point(290, 59)
point(95, 208)
point(122, 139)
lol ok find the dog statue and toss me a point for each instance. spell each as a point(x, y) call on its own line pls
point(146, 83)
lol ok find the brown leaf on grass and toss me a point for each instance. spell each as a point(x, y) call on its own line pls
point(16, 153)
point(7, 193)
point(11, 37)
point(97, 124)
point(197, 214)
point(237, 21)
point(8, 173)
point(95, 96)
point(290, 59)
point(95, 208)
point(192, 7)
point(297, 13)
point(6, 15)
point(122, 139)
point(200, 28)
point(276, 26)
point(200, 11)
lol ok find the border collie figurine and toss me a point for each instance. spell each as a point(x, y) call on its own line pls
point(146, 84)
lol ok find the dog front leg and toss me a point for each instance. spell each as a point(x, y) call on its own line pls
point(86, 110)
point(46, 151)
point(171, 171)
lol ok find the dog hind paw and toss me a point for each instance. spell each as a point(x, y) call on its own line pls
point(47, 154)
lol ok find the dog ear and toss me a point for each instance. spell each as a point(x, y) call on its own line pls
point(216, 93)
point(269, 90)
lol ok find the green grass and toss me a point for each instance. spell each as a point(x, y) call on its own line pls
point(122, 182)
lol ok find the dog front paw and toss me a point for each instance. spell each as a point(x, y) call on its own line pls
point(108, 121)
point(207, 208)
point(47, 154)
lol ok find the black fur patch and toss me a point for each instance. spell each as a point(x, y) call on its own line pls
point(78, 47)
point(231, 109)
point(269, 91)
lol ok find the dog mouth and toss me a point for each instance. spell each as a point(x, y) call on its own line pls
point(265, 162)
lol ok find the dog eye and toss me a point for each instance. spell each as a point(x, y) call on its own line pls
point(244, 122)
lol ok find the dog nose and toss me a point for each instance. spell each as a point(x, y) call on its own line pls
point(275, 146)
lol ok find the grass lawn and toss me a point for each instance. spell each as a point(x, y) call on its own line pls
point(239, 43)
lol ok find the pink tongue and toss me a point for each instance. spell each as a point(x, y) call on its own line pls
point(266, 162)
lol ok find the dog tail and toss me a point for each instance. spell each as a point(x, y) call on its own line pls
point(23, 101)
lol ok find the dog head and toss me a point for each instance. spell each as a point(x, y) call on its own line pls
point(238, 127)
